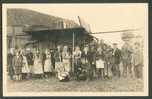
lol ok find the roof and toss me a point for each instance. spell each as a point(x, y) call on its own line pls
point(23, 17)
point(64, 35)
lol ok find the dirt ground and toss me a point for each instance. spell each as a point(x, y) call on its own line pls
point(52, 84)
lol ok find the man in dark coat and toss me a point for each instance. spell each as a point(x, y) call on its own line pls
point(116, 60)
point(92, 60)
point(127, 52)
point(86, 62)
point(10, 57)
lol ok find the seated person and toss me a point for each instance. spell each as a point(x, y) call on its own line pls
point(82, 71)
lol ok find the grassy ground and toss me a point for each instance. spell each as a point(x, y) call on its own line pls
point(52, 84)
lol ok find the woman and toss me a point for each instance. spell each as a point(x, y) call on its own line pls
point(25, 67)
point(17, 65)
point(64, 69)
point(77, 61)
point(66, 59)
point(100, 62)
point(58, 59)
point(38, 66)
point(48, 68)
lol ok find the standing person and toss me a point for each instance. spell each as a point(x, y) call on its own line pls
point(58, 59)
point(66, 59)
point(92, 60)
point(48, 67)
point(25, 66)
point(10, 57)
point(109, 62)
point(30, 60)
point(100, 62)
point(138, 61)
point(17, 65)
point(85, 57)
point(38, 65)
point(52, 58)
point(116, 54)
point(77, 61)
point(126, 52)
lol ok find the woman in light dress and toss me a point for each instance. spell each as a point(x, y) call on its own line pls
point(25, 67)
point(100, 62)
point(64, 69)
point(66, 59)
point(38, 66)
point(77, 60)
point(48, 68)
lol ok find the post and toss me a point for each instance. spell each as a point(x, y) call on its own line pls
point(73, 52)
point(14, 37)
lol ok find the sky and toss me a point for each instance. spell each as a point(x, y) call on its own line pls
point(101, 17)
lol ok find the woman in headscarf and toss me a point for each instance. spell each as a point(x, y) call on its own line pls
point(64, 69)
point(17, 65)
point(38, 65)
point(48, 68)
point(66, 59)
point(25, 66)
point(77, 60)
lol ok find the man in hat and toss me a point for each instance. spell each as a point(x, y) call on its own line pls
point(138, 60)
point(127, 51)
point(116, 54)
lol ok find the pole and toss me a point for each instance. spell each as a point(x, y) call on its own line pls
point(73, 40)
point(14, 37)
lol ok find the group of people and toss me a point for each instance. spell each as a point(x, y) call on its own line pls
point(91, 61)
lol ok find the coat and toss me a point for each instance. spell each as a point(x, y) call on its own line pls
point(126, 53)
point(116, 56)
point(137, 57)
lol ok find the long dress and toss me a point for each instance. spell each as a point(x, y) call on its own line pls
point(38, 67)
point(58, 61)
point(25, 67)
point(77, 56)
point(99, 60)
point(48, 64)
point(17, 64)
point(66, 61)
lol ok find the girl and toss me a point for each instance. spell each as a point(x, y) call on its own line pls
point(100, 62)
point(48, 68)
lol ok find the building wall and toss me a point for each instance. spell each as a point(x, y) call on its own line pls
point(13, 40)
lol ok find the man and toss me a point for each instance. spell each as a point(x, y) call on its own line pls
point(116, 54)
point(126, 59)
point(86, 58)
point(10, 57)
point(138, 61)
point(92, 60)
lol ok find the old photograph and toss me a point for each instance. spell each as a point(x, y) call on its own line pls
point(75, 49)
